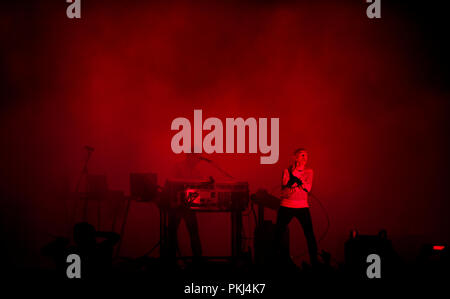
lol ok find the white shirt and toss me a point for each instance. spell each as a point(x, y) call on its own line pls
point(298, 198)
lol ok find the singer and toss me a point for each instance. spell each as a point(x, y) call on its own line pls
point(296, 183)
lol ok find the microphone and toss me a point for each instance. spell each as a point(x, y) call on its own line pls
point(89, 148)
point(293, 180)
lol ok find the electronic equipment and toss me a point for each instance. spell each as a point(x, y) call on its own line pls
point(206, 195)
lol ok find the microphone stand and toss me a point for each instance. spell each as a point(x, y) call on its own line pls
point(84, 174)
point(84, 171)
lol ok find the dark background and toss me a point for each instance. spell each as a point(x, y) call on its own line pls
point(368, 98)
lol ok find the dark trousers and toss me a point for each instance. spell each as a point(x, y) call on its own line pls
point(189, 216)
point(284, 217)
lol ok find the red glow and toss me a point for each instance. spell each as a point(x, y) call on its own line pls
point(438, 247)
point(360, 95)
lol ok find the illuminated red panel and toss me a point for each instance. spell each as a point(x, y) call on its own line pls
point(438, 247)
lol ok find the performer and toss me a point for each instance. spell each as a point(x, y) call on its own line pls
point(187, 169)
point(296, 183)
point(193, 167)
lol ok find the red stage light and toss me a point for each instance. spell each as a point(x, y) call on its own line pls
point(438, 247)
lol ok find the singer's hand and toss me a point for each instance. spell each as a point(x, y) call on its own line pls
point(297, 184)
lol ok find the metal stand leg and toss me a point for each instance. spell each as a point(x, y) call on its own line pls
point(236, 229)
point(99, 213)
point(163, 233)
point(124, 222)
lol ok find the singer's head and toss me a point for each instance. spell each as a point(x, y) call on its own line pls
point(300, 157)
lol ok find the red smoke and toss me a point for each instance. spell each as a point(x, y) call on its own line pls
point(349, 89)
